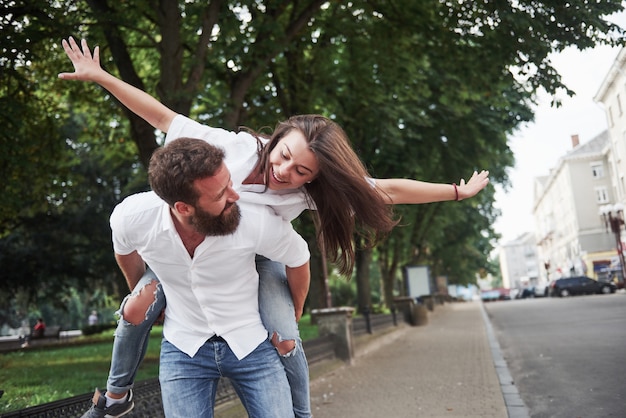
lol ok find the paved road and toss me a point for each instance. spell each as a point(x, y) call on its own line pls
point(442, 369)
point(567, 355)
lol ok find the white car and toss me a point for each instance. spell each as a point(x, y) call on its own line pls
point(541, 289)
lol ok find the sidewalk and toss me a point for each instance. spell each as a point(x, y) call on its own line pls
point(442, 369)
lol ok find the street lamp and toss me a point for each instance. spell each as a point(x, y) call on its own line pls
point(613, 216)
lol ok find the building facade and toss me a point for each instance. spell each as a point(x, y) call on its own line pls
point(570, 232)
point(519, 262)
point(572, 204)
point(612, 96)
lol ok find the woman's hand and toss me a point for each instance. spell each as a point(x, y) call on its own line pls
point(475, 184)
point(86, 66)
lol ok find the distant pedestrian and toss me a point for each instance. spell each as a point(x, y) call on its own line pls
point(24, 332)
point(39, 329)
point(38, 332)
point(93, 318)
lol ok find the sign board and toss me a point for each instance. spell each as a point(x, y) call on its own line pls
point(418, 281)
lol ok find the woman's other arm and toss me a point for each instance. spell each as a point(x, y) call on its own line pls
point(299, 279)
point(406, 191)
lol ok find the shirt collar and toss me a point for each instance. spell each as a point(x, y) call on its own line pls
point(167, 223)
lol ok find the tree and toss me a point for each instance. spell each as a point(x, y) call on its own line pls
point(425, 89)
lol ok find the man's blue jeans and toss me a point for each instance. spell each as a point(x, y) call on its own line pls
point(277, 314)
point(189, 384)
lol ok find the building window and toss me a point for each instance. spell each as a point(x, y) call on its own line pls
point(602, 195)
point(597, 170)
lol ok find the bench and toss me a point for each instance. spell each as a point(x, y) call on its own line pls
point(53, 331)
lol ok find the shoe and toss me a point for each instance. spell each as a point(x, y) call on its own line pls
point(99, 409)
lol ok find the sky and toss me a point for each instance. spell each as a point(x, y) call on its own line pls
point(539, 145)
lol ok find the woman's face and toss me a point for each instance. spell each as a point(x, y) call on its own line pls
point(292, 163)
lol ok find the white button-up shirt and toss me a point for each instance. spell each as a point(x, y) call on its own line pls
point(216, 291)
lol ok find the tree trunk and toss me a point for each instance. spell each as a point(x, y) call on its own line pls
point(364, 294)
point(319, 294)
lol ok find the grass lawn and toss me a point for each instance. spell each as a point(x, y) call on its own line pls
point(45, 374)
point(40, 375)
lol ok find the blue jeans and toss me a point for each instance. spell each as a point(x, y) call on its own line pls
point(131, 341)
point(189, 384)
point(277, 314)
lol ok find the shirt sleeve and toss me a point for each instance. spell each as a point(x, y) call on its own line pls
point(183, 127)
point(132, 219)
point(121, 243)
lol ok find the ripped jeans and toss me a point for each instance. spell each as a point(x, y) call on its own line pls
point(277, 314)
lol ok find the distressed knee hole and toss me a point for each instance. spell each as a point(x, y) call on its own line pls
point(137, 305)
point(284, 347)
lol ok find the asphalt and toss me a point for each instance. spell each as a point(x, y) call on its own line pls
point(450, 367)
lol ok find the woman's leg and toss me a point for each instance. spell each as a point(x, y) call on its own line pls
point(138, 312)
point(278, 316)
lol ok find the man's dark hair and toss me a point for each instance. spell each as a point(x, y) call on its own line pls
point(174, 167)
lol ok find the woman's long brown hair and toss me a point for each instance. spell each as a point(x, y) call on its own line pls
point(346, 203)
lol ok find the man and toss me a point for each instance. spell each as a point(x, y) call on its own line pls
point(202, 246)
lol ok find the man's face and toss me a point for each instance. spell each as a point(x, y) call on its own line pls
point(216, 211)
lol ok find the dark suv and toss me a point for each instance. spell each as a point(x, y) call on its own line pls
point(580, 285)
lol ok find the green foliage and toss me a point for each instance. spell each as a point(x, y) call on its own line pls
point(425, 89)
point(69, 244)
point(308, 330)
point(343, 292)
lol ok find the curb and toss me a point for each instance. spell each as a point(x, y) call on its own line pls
point(515, 406)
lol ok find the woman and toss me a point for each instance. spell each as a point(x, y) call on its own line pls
point(306, 163)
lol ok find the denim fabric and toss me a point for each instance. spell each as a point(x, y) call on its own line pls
point(278, 315)
point(189, 384)
point(131, 341)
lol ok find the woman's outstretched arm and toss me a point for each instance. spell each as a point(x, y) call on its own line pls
point(406, 191)
point(87, 68)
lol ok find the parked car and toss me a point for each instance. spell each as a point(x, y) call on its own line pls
point(534, 291)
point(527, 292)
point(580, 285)
point(612, 274)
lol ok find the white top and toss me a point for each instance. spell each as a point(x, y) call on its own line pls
point(216, 291)
point(241, 158)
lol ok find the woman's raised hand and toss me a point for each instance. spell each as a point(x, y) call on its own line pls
point(86, 66)
point(475, 184)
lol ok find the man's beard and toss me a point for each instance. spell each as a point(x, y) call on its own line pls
point(222, 224)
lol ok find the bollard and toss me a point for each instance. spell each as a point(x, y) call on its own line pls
point(337, 322)
point(405, 306)
point(420, 315)
point(368, 323)
point(429, 301)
